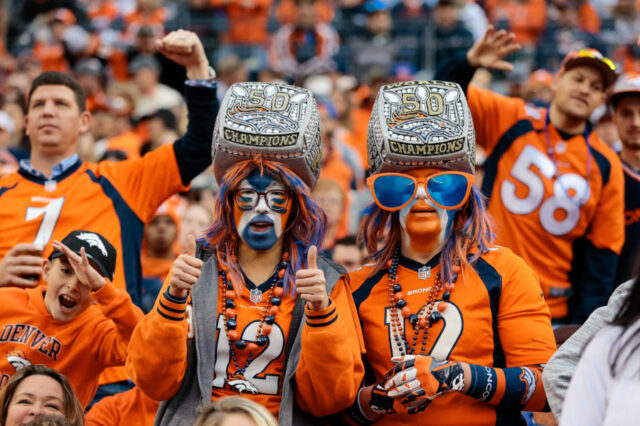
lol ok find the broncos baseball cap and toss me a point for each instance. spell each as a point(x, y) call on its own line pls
point(594, 58)
point(626, 84)
point(421, 124)
point(277, 122)
point(99, 251)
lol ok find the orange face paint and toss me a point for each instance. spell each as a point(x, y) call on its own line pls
point(423, 224)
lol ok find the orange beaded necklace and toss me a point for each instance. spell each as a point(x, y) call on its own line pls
point(269, 311)
point(427, 315)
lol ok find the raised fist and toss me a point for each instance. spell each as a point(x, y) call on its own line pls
point(184, 48)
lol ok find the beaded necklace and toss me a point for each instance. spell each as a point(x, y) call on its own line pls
point(427, 315)
point(269, 311)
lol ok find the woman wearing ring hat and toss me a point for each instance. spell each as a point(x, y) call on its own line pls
point(254, 311)
point(455, 328)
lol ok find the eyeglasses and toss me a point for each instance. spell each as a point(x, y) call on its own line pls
point(447, 190)
point(276, 199)
point(592, 53)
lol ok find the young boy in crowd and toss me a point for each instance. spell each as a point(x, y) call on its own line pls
point(80, 324)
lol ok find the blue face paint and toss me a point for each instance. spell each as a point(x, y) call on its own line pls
point(260, 182)
point(260, 240)
point(260, 227)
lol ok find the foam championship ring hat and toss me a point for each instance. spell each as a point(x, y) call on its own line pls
point(275, 121)
point(99, 251)
point(421, 124)
point(626, 84)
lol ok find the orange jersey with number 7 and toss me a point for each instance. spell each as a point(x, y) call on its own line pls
point(557, 203)
point(113, 199)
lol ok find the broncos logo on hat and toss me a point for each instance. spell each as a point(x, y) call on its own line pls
point(94, 241)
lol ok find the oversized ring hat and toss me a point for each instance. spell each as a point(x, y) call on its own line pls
point(421, 124)
point(275, 121)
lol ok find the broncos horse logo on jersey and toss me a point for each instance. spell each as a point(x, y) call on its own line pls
point(239, 383)
point(18, 359)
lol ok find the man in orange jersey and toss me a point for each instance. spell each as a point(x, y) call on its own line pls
point(59, 327)
point(54, 192)
point(456, 329)
point(256, 311)
point(555, 190)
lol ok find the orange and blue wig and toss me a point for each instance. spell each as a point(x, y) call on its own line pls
point(470, 230)
point(305, 227)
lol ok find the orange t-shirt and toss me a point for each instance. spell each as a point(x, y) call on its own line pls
point(136, 20)
point(247, 21)
point(287, 12)
point(496, 317)
point(527, 19)
point(51, 55)
point(589, 18)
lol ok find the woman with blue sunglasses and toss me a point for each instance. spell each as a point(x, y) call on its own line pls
point(456, 329)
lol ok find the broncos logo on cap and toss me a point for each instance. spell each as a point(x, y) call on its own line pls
point(17, 359)
point(94, 241)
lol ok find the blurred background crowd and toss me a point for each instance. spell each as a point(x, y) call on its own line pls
point(342, 50)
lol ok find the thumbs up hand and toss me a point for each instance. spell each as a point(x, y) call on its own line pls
point(310, 282)
point(185, 270)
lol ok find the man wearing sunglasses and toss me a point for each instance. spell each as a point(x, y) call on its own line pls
point(256, 311)
point(455, 328)
point(555, 189)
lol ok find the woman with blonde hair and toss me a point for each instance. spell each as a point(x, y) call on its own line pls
point(235, 411)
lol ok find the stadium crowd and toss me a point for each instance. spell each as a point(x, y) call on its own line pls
point(137, 185)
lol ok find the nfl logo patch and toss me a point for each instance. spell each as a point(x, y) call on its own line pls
point(256, 295)
point(424, 272)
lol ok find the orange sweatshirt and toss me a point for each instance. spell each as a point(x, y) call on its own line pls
point(330, 348)
point(80, 349)
point(123, 409)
